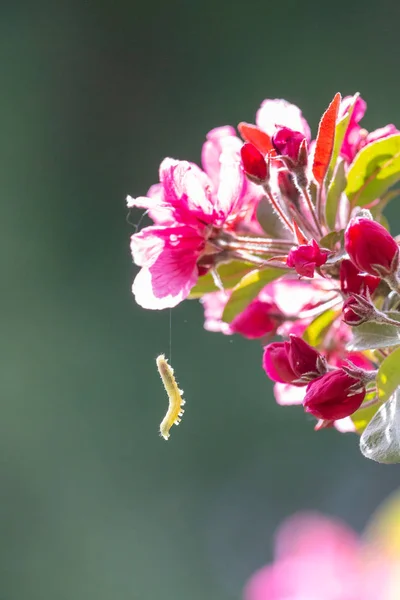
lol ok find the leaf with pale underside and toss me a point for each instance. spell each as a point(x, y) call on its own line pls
point(369, 336)
point(380, 440)
point(387, 381)
point(388, 378)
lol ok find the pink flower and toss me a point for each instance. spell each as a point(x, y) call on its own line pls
point(221, 147)
point(280, 113)
point(357, 138)
point(275, 300)
point(190, 211)
point(357, 358)
point(334, 396)
point(321, 558)
point(256, 320)
point(371, 247)
point(306, 258)
point(289, 395)
point(316, 558)
point(220, 141)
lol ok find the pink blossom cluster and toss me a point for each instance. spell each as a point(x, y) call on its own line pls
point(321, 558)
point(280, 234)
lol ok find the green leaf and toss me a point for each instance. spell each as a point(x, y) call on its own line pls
point(248, 289)
point(335, 190)
point(375, 169)
point(375, 335)
point(384, 200)
point(332, 239)
point(316, 331)
point(363, 416)
point(230, 274)
point(388, 379)
point(380, 440)
point(383, 221)
point(340, 132)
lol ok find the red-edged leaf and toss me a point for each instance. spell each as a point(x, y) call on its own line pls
point(254, 135)
point(325, 140)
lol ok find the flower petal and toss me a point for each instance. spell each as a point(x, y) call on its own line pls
point(273, 113)
point(170, 269)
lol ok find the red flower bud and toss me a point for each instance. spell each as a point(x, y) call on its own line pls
point(287, 143)
point(276, 363)
point(294, 362)
point(353, 281)
point(255, 321)
point(306, 257)
point(334, 396)
point(254, 163)
point(357, 310)
point(304, 359)
point(371, 248)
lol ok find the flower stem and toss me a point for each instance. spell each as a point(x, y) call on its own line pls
point(277, 207)
point(311, 208)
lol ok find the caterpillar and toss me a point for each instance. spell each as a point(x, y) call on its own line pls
point(175, 410)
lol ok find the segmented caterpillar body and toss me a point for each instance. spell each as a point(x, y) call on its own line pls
point(175, 410)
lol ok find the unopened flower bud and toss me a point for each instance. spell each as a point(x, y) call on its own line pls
point(276, 363)
point(304, 359)
point(256, 320)
point(287, 143)
point(371, 247)
point(254, 163)
point(357, 310)
point(294, 361)
point(353, 281)
point(334, 396)
point(306, 257)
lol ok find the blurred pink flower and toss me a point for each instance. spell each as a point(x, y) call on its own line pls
point(320, 558)
point(260, 317)
point(273, 304)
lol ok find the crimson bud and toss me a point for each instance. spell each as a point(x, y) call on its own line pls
point(357, 310)
point(254, 163)
point(276, 363)
point(334, 396)
point(288, 142)
point(294, 361)
point(306, 257)
point(371, 248)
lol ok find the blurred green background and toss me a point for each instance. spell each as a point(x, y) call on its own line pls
point(94, 505)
